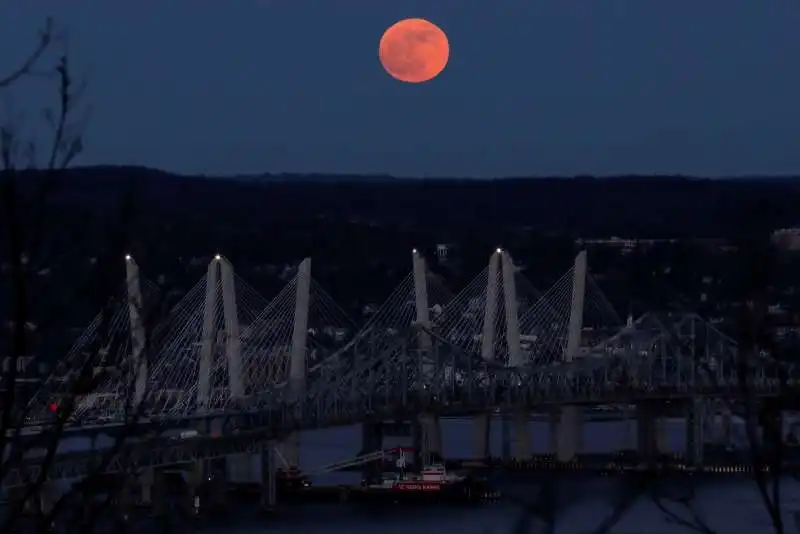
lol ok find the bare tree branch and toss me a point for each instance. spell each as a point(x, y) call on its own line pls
point(46, 36)
point(25, 206)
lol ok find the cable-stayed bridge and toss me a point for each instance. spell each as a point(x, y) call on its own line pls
point(246, 370)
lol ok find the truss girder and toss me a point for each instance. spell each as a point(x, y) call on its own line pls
point(669, 358)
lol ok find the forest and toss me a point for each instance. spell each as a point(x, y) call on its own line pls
point(360, 230)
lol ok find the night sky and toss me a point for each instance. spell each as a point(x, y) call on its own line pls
point(709, 87)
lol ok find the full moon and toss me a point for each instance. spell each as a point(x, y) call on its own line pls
point(414, 50)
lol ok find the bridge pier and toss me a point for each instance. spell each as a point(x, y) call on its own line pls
point(570, 433)
point(695, 432)
point(146, 481)
point(482, 448)
point(505, 437)
point(726, 426)
point(217, 476)
point(153, 490)
point(371, 441)
point(288, 450)
point(552, 431)
point(429, 423)
point(126, 498)
point(194, 479)
point(521, 447)
point(48, 496)
point(430, 431)
point(269, 478)
point(237, 468)
point(482, 423)
point(651, 435)
point(570, 429)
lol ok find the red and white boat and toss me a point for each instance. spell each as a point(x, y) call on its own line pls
point(431, 478)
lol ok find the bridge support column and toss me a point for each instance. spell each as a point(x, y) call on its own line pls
point(372, 441)
point(431, 431)
point(290, 447)
point(147, 481)
point(218, 478)
point(482, 447)
point(238, 468)
point(135, 312)
point(570, 431)
point(726, 427)
point(662, 435)
point(194, 480)
point(521, 444)
point(153, 490)
point(483, 421)
point(431, 428)
point(126, 498)
point(48, 497)
point(552, 432)
point(505, 437)
point(288, 450)
point(521, 447)
point(269, 477)
point(647, 432)
point(695, 432)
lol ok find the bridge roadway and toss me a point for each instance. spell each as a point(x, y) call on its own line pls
point(342, 408)
point(249, 432)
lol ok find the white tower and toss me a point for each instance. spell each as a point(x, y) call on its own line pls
point(429, 423)
point(570, 431)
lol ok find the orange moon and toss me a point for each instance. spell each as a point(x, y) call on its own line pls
point(414, 50)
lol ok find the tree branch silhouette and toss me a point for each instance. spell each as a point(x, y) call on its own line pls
point(28, 185)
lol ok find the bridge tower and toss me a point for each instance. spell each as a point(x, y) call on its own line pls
point(148, 480)
point(289, 448)
point(521, 438)
point(220, 272)
point(219, 279)
point(429, 423)
point(134, 294)
point(482, 421)
point(570, 428)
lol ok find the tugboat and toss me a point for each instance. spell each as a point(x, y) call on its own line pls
point(432, 483)
point(432, 478)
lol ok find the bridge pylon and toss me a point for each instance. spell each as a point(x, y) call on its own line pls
point(501, 276)
point(488, 335)
point(137, 332)
point(570, 428)
point(105, 370)
point(521, 438)
point(220, 285)
point(429, 422)
point(289, 448)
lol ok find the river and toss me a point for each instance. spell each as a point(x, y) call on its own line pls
point(729, 505)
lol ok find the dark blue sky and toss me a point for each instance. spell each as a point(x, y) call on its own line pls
point(533, 86)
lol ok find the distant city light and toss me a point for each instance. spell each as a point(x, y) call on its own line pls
point(217, 257)
point(127, 257)
point(499, 250)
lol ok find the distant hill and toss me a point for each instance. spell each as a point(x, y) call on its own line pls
point(586, 206)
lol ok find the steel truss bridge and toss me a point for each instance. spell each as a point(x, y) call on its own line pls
point(248, 370)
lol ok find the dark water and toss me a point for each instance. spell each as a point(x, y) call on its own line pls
point(728, 505)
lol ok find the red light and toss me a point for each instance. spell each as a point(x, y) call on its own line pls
point(54, 407)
